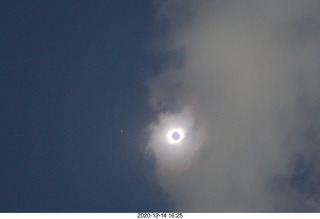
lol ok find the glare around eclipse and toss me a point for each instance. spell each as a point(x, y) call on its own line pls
point(175, 136)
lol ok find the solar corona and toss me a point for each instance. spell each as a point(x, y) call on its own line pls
point(175, 136)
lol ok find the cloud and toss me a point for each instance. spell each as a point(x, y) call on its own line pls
point(244, 80)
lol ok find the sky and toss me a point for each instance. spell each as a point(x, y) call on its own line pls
point(89, 91)
point(72, 77)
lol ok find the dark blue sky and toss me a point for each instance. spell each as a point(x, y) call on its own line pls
point(72, 76)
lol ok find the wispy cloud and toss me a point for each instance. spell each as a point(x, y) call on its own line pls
point(245, 84)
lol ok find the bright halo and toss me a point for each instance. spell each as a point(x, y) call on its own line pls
point(175, 136)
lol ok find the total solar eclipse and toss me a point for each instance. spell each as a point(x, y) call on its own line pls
point(175, 136)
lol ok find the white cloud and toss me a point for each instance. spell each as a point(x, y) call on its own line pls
point(248, 93)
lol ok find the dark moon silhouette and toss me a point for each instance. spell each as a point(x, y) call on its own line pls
point(175, 136)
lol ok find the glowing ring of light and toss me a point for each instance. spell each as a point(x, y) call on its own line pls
point(171, 139)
